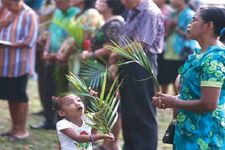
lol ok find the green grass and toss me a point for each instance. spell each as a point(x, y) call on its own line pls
point(47, 139)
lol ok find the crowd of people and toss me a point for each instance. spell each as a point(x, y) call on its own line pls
point(183, 42)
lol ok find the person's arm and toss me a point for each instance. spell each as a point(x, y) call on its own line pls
point(102, 52)
point(86, 138)
point(207, 102)
point(46, 54)
point(4, 22)
point(68, 47)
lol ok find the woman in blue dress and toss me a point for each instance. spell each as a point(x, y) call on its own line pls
point(201, 102)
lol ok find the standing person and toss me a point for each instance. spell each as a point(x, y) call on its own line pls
point(162, 63)
point(200, 119)
point(54, 74)
point(91, 20)
point(175, 52)
point(45, 16)
point(144, 23)
point(16, 62)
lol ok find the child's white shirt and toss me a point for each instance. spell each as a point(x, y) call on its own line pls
point(66, 142)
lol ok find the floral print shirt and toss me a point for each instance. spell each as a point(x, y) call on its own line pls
point(202, 131)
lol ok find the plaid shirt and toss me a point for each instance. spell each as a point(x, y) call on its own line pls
point(16, 62)
point(146, 24)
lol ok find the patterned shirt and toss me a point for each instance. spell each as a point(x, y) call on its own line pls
point(58, 34)
point(146, 24)
point(92, 20)
point(15, 62)
point(202, 131)
point(66, 142)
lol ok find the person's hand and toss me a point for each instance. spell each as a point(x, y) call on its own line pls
point(163, 101)
point(108, 137)
point(7, 21)
point(85, 55)
point(61, 57)
point(49, 56)
point(92, 92)
point(113, 71)
point(42, 38)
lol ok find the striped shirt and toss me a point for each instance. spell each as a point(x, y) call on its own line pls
point(145, 23)
point(16, 62)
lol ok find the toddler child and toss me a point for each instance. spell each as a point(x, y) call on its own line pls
point(73, 129)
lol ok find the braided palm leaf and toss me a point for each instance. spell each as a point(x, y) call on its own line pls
point(134, 51)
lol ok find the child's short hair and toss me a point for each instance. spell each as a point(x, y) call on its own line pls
point(56, 100)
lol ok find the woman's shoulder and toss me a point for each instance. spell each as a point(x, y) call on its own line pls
point(215, 50)
point(214, 53)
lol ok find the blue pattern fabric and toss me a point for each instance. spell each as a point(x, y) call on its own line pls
point(202, 131)
point(58, 34)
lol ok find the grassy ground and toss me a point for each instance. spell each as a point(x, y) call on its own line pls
point(47, 140)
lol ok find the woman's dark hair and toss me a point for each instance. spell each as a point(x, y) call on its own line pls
point(116, 5)
point(48, 2)
point(215, 15)
point(186, 1)
point(88, 4)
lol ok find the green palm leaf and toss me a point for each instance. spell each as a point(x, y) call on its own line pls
point(133, 51)
point(75, 29)
point(92, 72)
point(104, 109)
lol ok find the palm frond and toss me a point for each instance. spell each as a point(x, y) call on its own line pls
point(78, 84)
point(104, 109)
point(92, 72)
point(75, 29)
point(133, 51)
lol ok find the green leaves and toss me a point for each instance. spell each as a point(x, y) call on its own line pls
point(104, 109)
point(78, 84)
point(75, 29)
point(92, 72)
point(133, 51)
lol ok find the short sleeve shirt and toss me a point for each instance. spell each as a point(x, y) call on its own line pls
point(66, 142)
point(202, 130)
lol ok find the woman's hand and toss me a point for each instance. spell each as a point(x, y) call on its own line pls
point(85, 55)
point(61, 57)
point(49, 56)
point(163, 101)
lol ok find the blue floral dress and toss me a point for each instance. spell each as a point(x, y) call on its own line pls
point(202, 131)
